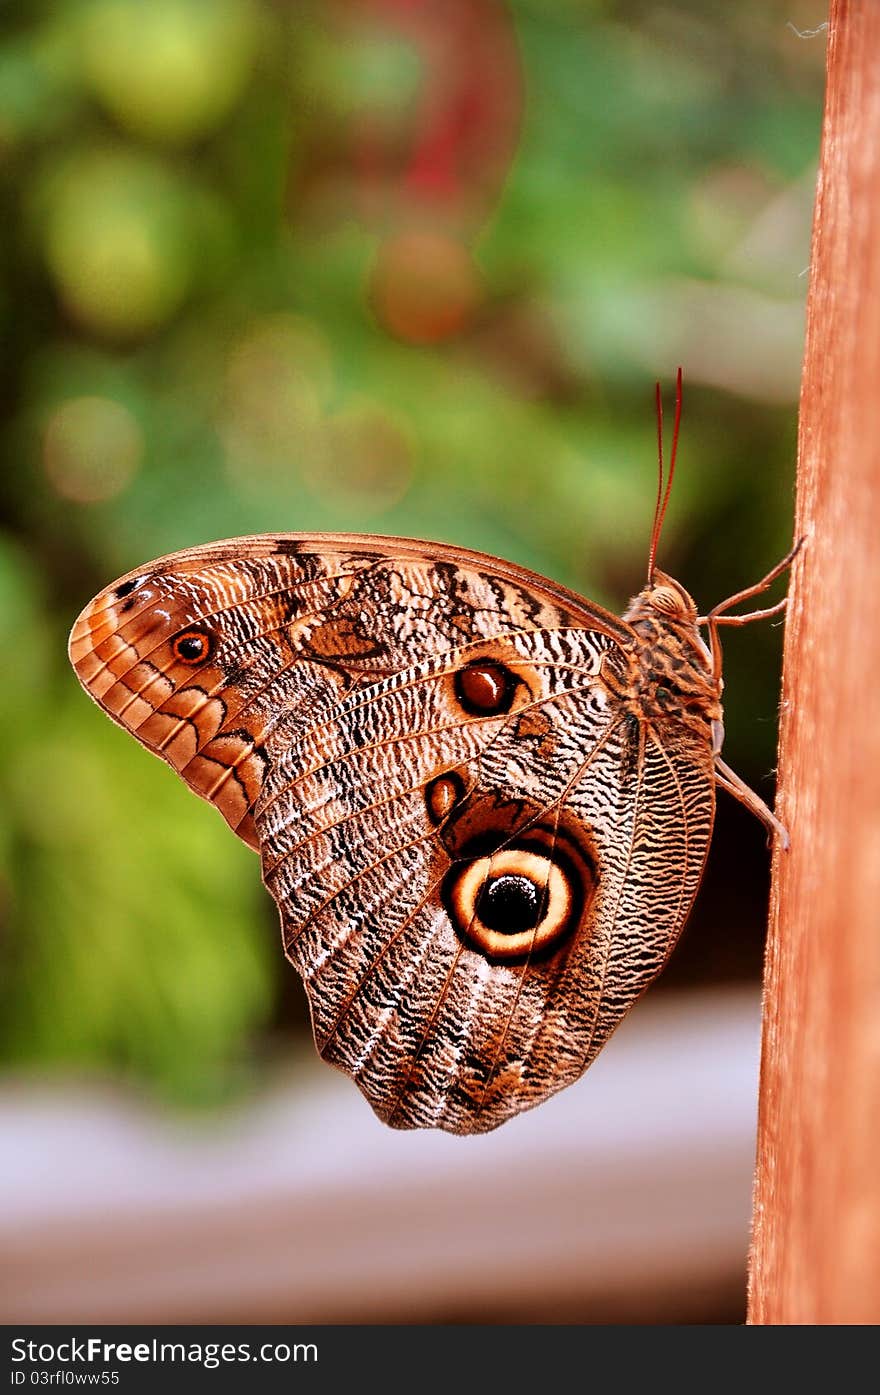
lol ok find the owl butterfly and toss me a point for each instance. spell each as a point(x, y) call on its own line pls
point(482, 804)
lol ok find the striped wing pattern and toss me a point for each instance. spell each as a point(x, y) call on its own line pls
point(417, 739)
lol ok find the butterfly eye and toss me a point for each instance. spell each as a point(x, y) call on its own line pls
point(192, 647)
point(664, 599)
point(515, 903)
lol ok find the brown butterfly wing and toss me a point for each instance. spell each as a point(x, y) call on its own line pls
point(403, 729)
point(285, 623)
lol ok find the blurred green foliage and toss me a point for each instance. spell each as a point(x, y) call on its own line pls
point(247, 286)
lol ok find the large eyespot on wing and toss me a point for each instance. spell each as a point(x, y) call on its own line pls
point(210, 657)
point(523, 900)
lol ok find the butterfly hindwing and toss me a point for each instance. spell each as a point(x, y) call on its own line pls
point(442, 1021)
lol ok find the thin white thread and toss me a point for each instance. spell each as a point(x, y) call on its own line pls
point(807, 33)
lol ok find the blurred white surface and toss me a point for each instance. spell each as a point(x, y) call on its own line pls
point(303, 1208)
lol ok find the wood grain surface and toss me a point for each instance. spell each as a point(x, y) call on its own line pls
point(816, 1248)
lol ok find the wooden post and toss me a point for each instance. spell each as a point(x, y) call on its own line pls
point(816, 1248)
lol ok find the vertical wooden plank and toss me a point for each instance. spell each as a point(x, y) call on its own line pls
point(816, 1247)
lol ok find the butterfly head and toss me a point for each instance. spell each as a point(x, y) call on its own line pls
point(663, 599)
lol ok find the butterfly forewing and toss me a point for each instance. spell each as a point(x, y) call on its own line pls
point(480, 850)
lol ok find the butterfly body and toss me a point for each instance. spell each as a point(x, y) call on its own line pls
point(675, 675)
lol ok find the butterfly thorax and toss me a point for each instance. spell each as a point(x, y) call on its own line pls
point(672, 673)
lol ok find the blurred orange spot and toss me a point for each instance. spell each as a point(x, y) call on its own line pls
point(424, 287)
point(367, 463)
point(279, 377)
point(92, 448)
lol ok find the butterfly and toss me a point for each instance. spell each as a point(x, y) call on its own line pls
point(482, 803)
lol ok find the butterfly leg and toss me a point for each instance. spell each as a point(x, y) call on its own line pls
point(716, 616)
point(758, 587)
point(730, 781)
point(747, 619)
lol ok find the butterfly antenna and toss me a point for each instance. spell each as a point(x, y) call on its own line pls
point(663, 494)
